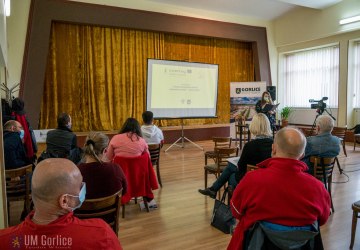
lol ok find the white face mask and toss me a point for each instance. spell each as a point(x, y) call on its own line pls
point(266, 98)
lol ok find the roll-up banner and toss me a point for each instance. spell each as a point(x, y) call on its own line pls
point(243, 97)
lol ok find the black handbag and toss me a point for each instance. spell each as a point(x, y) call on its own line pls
point(222, 218)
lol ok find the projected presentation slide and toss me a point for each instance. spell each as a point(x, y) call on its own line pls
point(181, 89)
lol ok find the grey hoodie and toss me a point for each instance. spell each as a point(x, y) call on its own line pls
point(152, 134)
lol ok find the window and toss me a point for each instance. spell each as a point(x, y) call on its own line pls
point(356, 74)
point(311, 74)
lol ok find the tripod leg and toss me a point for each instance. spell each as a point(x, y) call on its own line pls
point(196, 145)
point(174, 144)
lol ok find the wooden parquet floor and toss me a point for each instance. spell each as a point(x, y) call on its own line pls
point(182, 220)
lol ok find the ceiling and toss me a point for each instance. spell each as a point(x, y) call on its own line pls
point(261, 9)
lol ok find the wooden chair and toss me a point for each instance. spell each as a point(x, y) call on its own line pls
point(242, 133)
point(220, 163)
point(219, 142)
point(323, 169)
point(106, 208)
point(341, 133)
point(356, 139)
point(18, 187)
point(356, 209)
point(154, 150)
point(141, 178)
point(250, 167)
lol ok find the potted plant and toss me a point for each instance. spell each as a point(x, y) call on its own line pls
point(285, 113)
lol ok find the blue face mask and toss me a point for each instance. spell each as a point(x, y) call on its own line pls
point(81, 196)
point(22, 134)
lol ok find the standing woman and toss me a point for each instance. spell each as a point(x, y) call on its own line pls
point(102, 178)
point(260, 105)
point(129, 141)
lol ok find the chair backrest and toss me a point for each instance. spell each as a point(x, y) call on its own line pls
point(18, 184)
point(106, 208)
point(323, 168)
point(339, 132)
point(222, 142)
point(154, 150)
point(250, 167)
point(222, 154)
point(308, 131)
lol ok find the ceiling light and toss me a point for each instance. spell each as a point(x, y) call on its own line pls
point(7, 7)
point(350, 20)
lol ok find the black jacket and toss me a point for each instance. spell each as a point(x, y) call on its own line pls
point(14, 151)
point(60, 142)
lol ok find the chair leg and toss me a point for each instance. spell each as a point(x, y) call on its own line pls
point(329, 190)
point(354, 143)
point(146, 204)
point(344, 148)
point(123, 210)
point(205, 178)
point(158, 174)
point(353, 229)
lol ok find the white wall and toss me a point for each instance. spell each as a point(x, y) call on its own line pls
point(16, 35)
point(307, 28)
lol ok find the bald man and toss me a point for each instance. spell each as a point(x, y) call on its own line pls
point(280, 191)
point(14, 151)
point(57, 190)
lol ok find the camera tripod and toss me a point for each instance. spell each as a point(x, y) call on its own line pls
point(320, 112)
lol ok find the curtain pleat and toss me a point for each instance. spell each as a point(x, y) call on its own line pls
point(98, 74)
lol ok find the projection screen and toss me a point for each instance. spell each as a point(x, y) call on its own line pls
point(177, 89)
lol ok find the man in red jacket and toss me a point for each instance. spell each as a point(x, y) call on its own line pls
point(280, 191)
point(57, 190)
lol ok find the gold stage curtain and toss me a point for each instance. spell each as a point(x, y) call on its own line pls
point(98, 74)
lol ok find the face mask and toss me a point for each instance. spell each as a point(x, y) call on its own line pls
point(266, 98)
point(68, 125)
point(22, 134)
point(81, 196)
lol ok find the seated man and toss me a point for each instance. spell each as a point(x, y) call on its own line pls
point(150, 132)
point(280, 191)
point(57, 190)
point(61, 142)
point(323, 144)
point(14, 151)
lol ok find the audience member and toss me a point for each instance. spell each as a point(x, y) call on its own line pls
point(151, 133)
point(254, 152)
point(260, 105)
point(14, 151)
point(280, 191)
point(62, 142)
point(129, 141)
point(57, 190)
point(17, 106)
point(102, 178)
point(323, 144)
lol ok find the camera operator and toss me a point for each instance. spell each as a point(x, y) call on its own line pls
point(323, 144)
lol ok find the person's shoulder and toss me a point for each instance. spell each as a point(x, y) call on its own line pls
point(96, 224)
point(10, 231)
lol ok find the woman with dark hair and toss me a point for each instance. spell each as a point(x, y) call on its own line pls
point(102, 178)
point(260, 105)
point(128, 142)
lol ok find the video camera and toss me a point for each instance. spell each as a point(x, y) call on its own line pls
point(318, 104)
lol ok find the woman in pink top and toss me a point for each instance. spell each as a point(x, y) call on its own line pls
point(129, 141)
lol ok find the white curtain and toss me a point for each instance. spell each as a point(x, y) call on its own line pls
point(356, 72)
point(311, 74)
